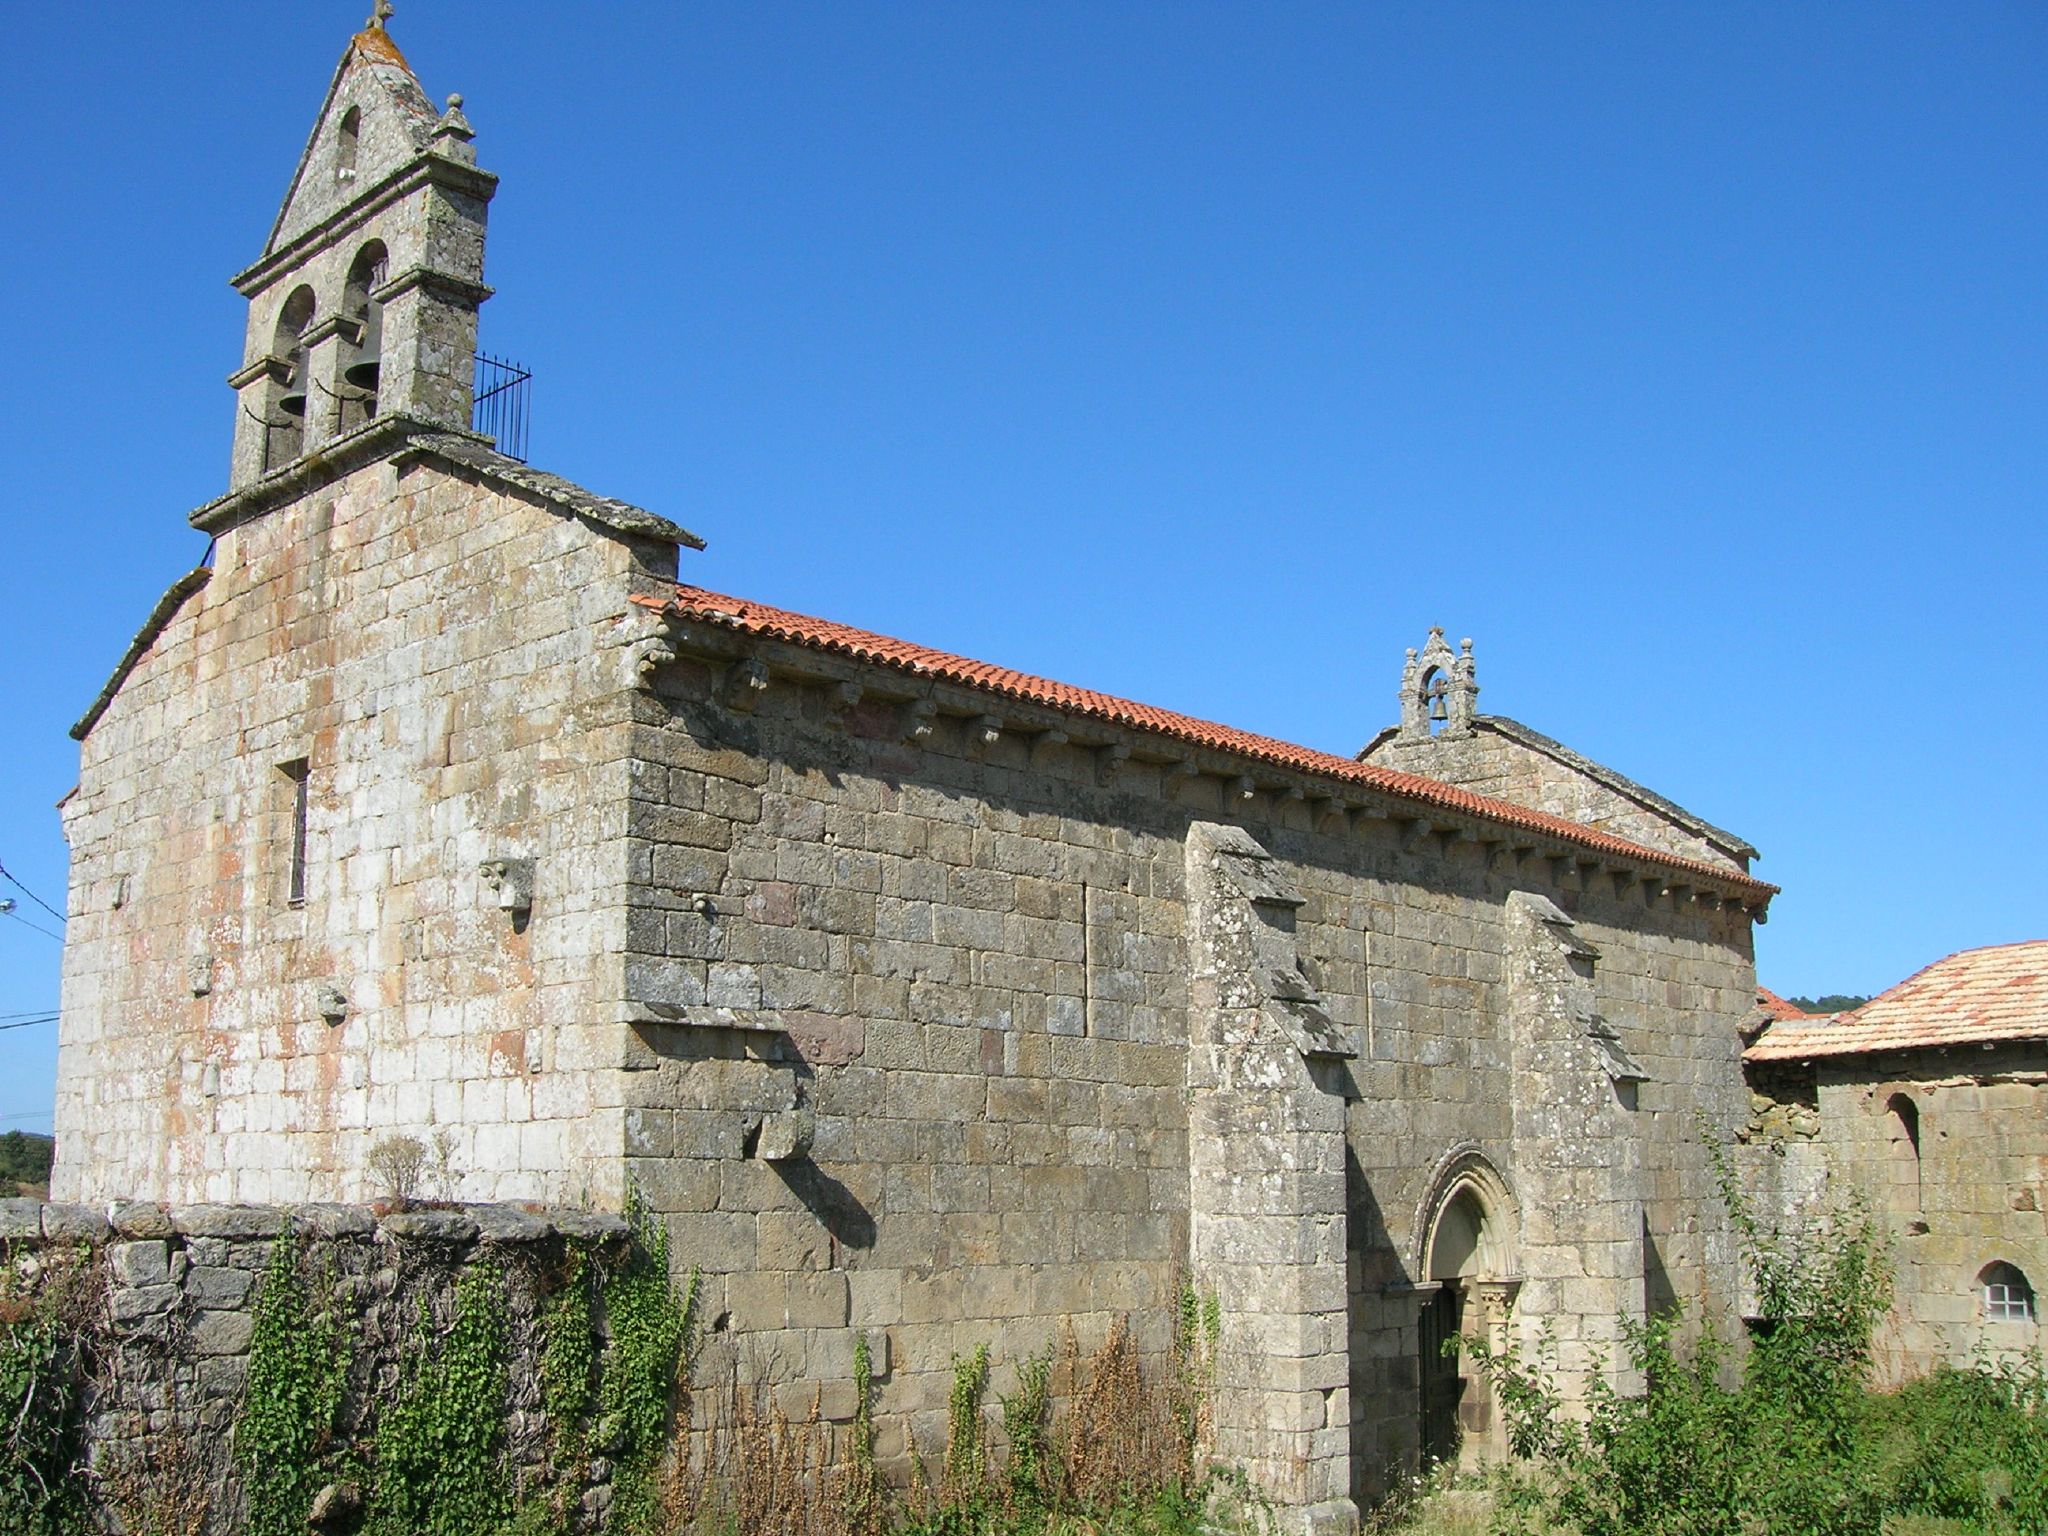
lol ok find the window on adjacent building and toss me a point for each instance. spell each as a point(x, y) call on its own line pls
point(2008, 1298)
point(297, 773)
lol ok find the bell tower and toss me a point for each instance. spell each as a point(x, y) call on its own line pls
point(363, 306)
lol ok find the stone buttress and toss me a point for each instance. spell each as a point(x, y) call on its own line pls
point(1267, 1220)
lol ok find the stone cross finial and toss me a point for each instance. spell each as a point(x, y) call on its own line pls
point(379, 16)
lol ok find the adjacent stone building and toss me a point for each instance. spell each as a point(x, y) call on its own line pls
point(1932, 1100)
point(921, 997)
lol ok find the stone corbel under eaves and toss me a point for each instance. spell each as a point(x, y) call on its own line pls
point(1507, 851)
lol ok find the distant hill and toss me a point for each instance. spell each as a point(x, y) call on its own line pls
point(25, 1163)
point(1834, 1002)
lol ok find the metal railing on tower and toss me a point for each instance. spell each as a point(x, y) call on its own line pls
point(504, 402)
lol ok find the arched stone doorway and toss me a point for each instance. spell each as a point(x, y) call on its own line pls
point(1468, 1280)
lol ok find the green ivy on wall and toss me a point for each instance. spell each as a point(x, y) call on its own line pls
point(437, 1451)
point(612, 1351)
point(285, 1442)
point(568, 1360)
point(650, 1328)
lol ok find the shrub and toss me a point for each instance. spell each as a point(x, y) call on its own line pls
point(397, 1163)
point(1796, 1444)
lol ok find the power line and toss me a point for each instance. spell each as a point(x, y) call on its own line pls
point(25, 1023)
point(31, 895)
point(7, 910)
point(26, 1013)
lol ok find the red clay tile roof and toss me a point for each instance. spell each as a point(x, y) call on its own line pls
point(1976, 997)
point(697, 604)
point(1780, 1010)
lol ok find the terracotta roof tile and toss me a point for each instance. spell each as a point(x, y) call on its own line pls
point(747, 617)
point(1976, 997)
point(1780, 1010)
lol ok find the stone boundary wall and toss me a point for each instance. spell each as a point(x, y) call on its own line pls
point(167, 1312)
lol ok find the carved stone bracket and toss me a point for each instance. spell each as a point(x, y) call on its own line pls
point(917, 719)
point(512, 879)
point(745, 684)
point(332, 1003)
point(843, 699)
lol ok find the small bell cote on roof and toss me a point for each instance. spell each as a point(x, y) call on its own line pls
point(364, 303)
point(1439, 690)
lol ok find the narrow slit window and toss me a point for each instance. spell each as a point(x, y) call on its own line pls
point(297, 773)
point(1903, 1132)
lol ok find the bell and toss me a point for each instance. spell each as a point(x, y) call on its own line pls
point(1438, 710)
point(362, 373)
point(293, 401)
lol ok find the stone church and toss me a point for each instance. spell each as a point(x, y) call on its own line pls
point(925, 1000)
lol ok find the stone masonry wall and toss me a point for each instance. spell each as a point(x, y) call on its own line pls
point(168, 1315)
point(444, 658)
point(955, 955)
point(1976, 1192)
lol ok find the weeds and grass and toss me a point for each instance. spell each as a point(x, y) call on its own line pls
point(1785, 1439)
point(158, 1485)
point(43, 1370)
point(1090, 1445)
point(865, 1494)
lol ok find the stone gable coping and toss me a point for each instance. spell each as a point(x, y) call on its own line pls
point(166, 607)
point(1600, 773)
point(617, 516)
point(372, 48)
point(402, 439)
point(1447, 808)
point(383, 437)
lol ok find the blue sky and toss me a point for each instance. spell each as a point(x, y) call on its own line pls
point(1693, 359)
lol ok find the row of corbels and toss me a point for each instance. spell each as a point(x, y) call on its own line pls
point(747, 679)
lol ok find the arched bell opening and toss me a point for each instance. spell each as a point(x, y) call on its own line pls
point(284, 406)
point(1436, 694)
point(347, 142)
point(1468, 1284)
point(362, 366)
